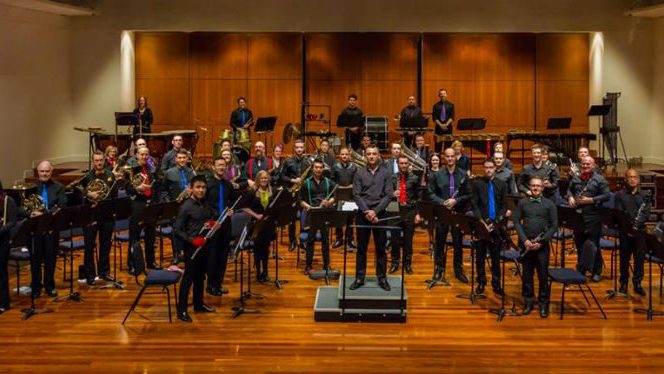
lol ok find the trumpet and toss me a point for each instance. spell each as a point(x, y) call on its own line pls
point(416, 163)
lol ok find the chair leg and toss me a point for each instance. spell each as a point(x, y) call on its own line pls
point(18, 278)
point(596, 301)
point(168, 296)
point(584, 295)
point(562, 303)
point(661, 275)
point(133, 306)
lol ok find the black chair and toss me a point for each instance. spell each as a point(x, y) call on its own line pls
point(153, 279)
point(571, 277)
point(18, 255)
point(659, 262)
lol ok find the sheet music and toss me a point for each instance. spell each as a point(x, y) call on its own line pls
point(348, 206)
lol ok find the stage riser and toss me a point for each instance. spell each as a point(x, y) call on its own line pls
point(327, 309)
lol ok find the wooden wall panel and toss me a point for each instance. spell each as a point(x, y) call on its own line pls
point(275, 56)
point(168, 98)
point(216, 55)
point(161, 55)
point(333, 56)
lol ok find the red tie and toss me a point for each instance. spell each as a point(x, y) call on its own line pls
point(402, 190)
point(144, 171)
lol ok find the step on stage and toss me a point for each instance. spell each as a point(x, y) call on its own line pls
point(369, 303)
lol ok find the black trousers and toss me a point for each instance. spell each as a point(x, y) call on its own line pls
point(591, 231)
point(493, 247)
point(404, 242)
point(218, 255)
point(105, 231)
point(262, 252)
point(355, 140)
point(4, 272)
point(440, 259)
point(536, 261)
point(325, 247)
point(45, 251)
point(194, 274)
point(631, 246)
point(363, 235)
point(348, 234)
point(135, 228)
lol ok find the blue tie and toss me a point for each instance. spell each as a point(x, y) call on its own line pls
point(44, 195)
point(221, 197)
point(492, 201)
point(242, 117)
point(183, 179)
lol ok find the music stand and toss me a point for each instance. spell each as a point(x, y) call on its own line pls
point(568, 218)
point(655, 248)
point(265, 125)
point(127, 119)
point(472, 226)
point(116, 210)
point(62, 220)
point(437, 214)
point(28, 230)
point(347, 121)
point(471, 124)
point(282, 209)
point(560, 123)
point(325, 219)
point(618, 220)
point(242, 308)
point(166, 216)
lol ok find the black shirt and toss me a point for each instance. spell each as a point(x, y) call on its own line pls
point(343, 173)
point(411, 116)
point(106, 176)
point(631, 202)
point(146, 120)
point(193, 214)
point(236, 118)
point(8, 219)
point(480, 197)
point(596, 187)
point(354, 116)
point(313, 192)
point(372, 190)
point(507, 176)
point(254, 165)
point(547, 171)
point(532, 217)
point(439, 187)
point(412, 188)
point(449, 111)
point(212, 194)
point(293, 168)
point(172, 182)
point(55, 192)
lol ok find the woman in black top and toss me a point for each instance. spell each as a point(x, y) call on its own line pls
point(263, 197)
point(8, 220)
point(144, 115)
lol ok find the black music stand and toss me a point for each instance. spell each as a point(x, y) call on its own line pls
point(62, 220)
point(656, 249)
point(415, 125)
point(435, 214)
point(127, 119)
point(265, 125)
point(471, 124)
point(282, 209)
point(558, 123)
point(116, 210)
point(26, 236)
point(618, 220)
point(569, 218)
point(325, 219)
point(472, 226)
point(242, 308)
point(347, 121)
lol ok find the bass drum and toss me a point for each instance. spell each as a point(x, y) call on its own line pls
point(240, 153)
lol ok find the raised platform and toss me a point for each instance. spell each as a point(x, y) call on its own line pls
point(368, 303)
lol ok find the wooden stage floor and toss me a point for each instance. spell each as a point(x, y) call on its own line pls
point(443, 333)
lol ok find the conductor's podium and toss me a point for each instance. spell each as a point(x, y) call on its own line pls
point(369, 303)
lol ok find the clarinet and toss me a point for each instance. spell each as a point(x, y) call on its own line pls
point(535, 240)
point(640, 213)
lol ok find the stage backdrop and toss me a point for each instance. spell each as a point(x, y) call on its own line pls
point(514, 80)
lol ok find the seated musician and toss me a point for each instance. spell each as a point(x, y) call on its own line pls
point(152, 163)
point(498, 147)
point(316, 193)
point(421, 149)
point(277, 161)
point(192, 216)
point(168, 161)
point(504, 174)
point(258, 162)
point(392, 164)
point(233, 172)
point(326, 154)
point(111, 154)
point(443, 116)
point(263, 197)
point(342, 174)
point(410, 116)
point(463, 162)
point(103, 228)
point(548, 174)
point(535, 217)
point(365, 143)
point(354, 133)
point(406, 185)
point(176, 179)
point(292, 175)
point(8, 217)
point(145, 117)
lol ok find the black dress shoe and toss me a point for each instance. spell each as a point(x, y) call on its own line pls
point(544, 310)
point(352, 244)
point(596, 278)
point(639, 290)
point(154, 266)
point(90, 281)
point(214, 291)
point(357, 283)
point(52, 293)
point(394, 267)
point(185, 317)
point(480, 289)
point(337, 244)
point(384, 284)
point(528, 308)
point(204, 308)
point(292, 246)
point(265, 278)
point(106, 278)
point(408, 268)
point(623, 289)
point(132, 271)
point(461, 277)
point(438, 274)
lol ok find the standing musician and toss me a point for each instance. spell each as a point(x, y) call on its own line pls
point(277, 161)
point(220, 195)
point(421, 149)
point(241, 117)
point(111, 154)
point(408, 117)
point(192, 216)
point(233, 172)
point(315, 193)
point(104, 228)
point(406, 186)
point(535, 217)
point(489, 200)
point(498, 147)
point(343, 173)
point(258, 162)
point(354, 134)
point(587, 192)
point(372, 191)
point(176, 179)
point(443, 115)
point(539, 168)
point(575, 167)
point(636, 203)
point(463, 162)
point(504, 173)
point(168, 161)
point(133, 161)
point(292, 175)
point(449, 187)
point(326, 155)
point(142, 194)
point(145, 118)
point(392, 167)
point(8, 216)
point(263, 197)
point(52, 194)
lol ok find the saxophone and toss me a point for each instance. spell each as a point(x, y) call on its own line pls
point(297, 186)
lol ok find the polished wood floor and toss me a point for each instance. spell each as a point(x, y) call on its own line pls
point(443, 333)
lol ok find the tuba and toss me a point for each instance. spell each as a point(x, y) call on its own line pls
point(357, 159)
point(416, 163)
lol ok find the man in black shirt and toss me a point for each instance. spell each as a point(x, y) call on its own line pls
point(449, 187)
point(636, 203)
point(406, 190)
point(505, 174)
point(535, 220)
point(354, 117)
point(194, 213)
point(372, 191)
point(342, 174)
point(168, 161)
point(292, 172)
point(315, 193)
point(241, 117)
point(176, 179)
point(410, 116)
point(443, 116)
point(421, 149)
point(547, 172)
point(53, 196)
point(587, 192)
point(489, 201)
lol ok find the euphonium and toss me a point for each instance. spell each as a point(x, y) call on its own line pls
point(416, 163)
point(357, 159)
